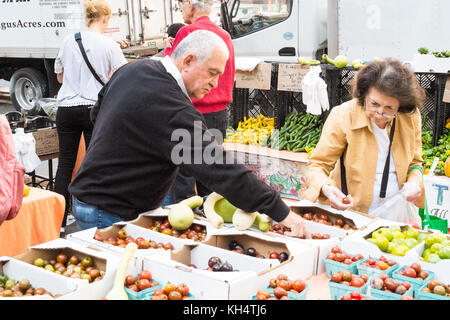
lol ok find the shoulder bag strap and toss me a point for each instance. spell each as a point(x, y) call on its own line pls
point(384, 179)
point(344, 188)
point(83, 53)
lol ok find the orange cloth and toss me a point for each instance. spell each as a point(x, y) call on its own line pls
point(80, 155)
point(39, 220)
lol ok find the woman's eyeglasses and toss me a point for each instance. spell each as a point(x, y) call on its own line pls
point(375, 107)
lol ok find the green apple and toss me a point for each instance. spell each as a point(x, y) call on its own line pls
point(431, 239)
point(412, 233)
point(392, 228)
point(435, 247)
point(411, 242)
point(397, 234)
point(399, 241)
point(421, 236)
point(432, 258)
point(441, 237)
point(444, 253)
point(400, 250)
point(426, 252)
point(391, 247)
point(382, 243)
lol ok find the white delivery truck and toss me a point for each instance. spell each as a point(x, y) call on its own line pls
point(31, 32)
point(283, 30)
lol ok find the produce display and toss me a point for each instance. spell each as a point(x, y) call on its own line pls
point(216, 264)
point(384, 283)
point(339, 61)
point(171, 292)
point(347, 278)
point(280, 287)
point(355, 295)
point(437, 54)
point(437, 287)
point(279, 228)
point(141, 282)
point(325, 219)
point(195, 232)
point(13, 288)
point(414, 271)
point(437, 247)
point(300, 132)
point(219, 210)
point(253, 131)
point(382, 263)
point(122, 239)
point(392, 240)
point(72, 267)
point(235, 246)
point(338, 255)
point(441, 150)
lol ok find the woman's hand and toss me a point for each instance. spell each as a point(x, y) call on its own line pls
point(297, 226)
point(336, 197)
point(411, 191)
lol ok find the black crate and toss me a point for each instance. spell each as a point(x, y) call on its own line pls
point(277, 104)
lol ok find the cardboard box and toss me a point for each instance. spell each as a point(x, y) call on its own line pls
point(209, 285)
point(84, 290)
point(46, 141)
point(146, 219)
point(302, 259)
point(427, 62)
point(86, 237)
point(355, 219)
point(38, 277)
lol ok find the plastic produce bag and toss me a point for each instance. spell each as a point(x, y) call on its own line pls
point(49, 106)
point(314, 89)
point(397, 208)
point(25, 147)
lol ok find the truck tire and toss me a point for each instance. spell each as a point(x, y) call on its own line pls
point(27, 85)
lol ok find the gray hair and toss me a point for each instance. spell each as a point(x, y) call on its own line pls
point(200, 43)
point(202, 5)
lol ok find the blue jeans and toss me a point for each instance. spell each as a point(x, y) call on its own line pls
point(87, 216)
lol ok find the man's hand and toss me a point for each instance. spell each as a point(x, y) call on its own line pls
point(297, 226)
point(336, 197)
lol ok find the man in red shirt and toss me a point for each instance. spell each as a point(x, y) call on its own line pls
point(214, 105)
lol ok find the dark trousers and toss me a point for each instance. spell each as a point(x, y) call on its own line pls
point(184, 186)
point(70, 123)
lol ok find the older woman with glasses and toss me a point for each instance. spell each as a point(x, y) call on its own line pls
point(371, 146)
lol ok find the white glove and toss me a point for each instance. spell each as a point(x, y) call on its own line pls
point(412, 191)
point(336, 197)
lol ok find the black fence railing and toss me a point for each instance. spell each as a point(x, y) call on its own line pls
point(277, 104)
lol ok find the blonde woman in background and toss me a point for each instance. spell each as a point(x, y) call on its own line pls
point(80, 88)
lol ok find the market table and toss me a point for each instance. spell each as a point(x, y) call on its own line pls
point(39, 220)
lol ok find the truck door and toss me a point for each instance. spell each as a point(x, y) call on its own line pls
point(120, 26)
point(264, 28)
point(153, 17)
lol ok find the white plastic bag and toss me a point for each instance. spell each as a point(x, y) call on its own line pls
point(314, 92)
point(397, 208)
point(25, 147)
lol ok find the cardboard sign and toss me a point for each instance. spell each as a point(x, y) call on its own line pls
point(258, 78)
point(446, 97)
point(290, 77)
point(437, 191)
point(46, 141)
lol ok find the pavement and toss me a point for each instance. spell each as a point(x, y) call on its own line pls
point(42, 169)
